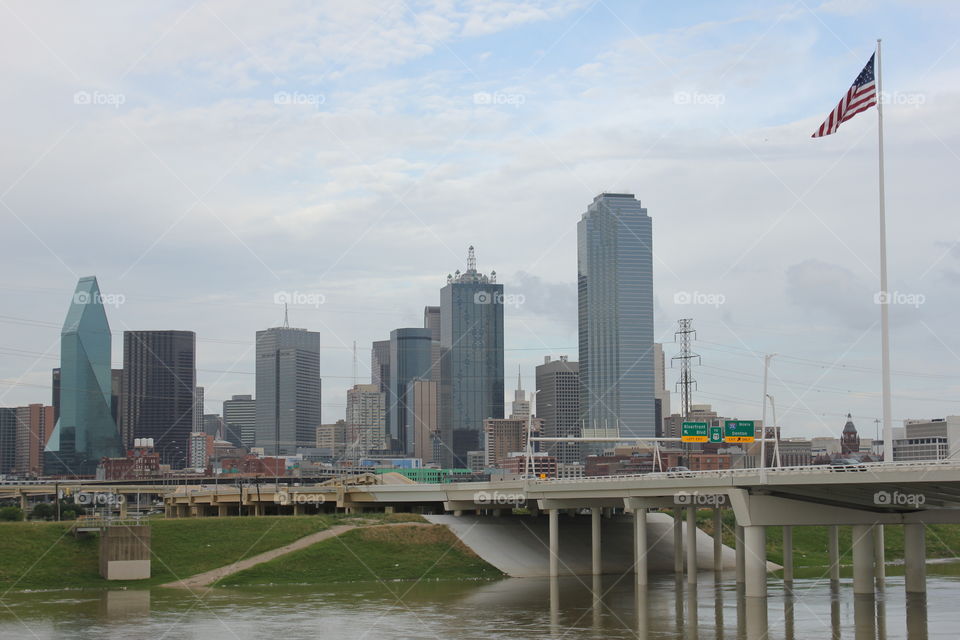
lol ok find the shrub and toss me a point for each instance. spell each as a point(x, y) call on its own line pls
point(11, 514)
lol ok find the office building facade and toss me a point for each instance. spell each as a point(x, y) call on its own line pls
point(558, 405)
point(410, 353)
point(366, 428)
point(240, 417)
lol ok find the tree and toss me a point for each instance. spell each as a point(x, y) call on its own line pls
point(43, 511)
point(11, 514)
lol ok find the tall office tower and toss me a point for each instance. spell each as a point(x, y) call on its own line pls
point(159, 382)
point(198, 411)
point(117, 398)
point(409, 360)
point(558, 405)
point(431, 320)
point(521, 405)
point(288, 389)
point(507, 436)
point(213, 426)
point(380, 374)
point(34, 427)
point(660, 392)
point(240, 416)
point(332, 438)
point(366, 420)
point(86, 431)
point(471, 359)
point(8, 439)
point(615, 296)
point(423, 417)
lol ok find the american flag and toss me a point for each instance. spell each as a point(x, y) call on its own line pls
point(861, 96)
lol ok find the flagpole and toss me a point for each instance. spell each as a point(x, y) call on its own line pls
point(885, 294)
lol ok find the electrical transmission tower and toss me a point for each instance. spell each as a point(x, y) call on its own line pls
point(684, 335)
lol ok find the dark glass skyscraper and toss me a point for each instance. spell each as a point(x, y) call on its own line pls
point(85, 430)
point(159, 378)
point(410, 351)
point(288, 389)
point(615, 292)
point(471, 360)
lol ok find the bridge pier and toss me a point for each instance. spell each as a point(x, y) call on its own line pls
point(678, 541)
point(741, 555)
point(717, 540)
point(788, 555)
point(879, 558)
point(597, 564)
point(833, 551)
point(755, 560)
point(691, 544)
point(915, 558)
point(640, 548)
point(222, 510)
point(553, 515)
point(863, 579)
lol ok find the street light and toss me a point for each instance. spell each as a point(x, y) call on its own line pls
point(763, 432)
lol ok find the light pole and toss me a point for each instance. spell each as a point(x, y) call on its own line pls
point(528, 464)
point(763, 420)
point(776, 433)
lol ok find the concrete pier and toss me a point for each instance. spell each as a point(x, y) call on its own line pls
point(914, 558)
point(597, 560)
point(788, 554)
point(553, 515)
point(717, 540)
point(678, 541)
point(640, 546)
point(691, 544)
point(863, 580)
point(741, 575)
point(755, 561)
point(833, 552)
point(879, 558)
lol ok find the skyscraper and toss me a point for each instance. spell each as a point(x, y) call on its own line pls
point(380, 376)
point(288, 389)
point(8, 439)
point(423, 417)
point(431, 320)
point(159, 383)
point(34, 427)
point(240, 416)
point(409, 360)
point(366, 419)
point(86, 430)
point(471, 360)
point(615, 296)
point(198, 410)
point(558, 405)
point(521, 405)
point(660, 391)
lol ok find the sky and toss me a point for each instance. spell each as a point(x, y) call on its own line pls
point(207, 159)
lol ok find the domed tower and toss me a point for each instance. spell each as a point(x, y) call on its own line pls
point(849, 440)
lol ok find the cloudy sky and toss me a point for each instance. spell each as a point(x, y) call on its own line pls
point(201, 158)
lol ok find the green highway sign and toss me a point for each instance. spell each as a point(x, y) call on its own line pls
point(716, 435)
point(694, 432)
point(742, 431)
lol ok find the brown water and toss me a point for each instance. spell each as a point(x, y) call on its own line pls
point(512, 608)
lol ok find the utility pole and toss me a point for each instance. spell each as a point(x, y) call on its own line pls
point(684, 335)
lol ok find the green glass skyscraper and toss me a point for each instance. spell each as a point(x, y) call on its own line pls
point(85, 431)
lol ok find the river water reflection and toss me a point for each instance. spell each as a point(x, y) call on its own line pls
point(511, 608)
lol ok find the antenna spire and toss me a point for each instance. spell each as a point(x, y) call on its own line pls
point(286, 317)
point(471, 259)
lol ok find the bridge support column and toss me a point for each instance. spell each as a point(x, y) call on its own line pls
point(222, 510)
point(554, 542)
point(167, 511)
point(833, 550)
point(788, 554)
point(755, 560)
point(24, 505)
point(741, 555)
point(123, 505)
point(915, 558)
point(640, 545)
point(595, 541)
point(298, 509)
point(879, 558)
point(691, 544)
point(863, 559)
point(678, 542)
point(717, 540)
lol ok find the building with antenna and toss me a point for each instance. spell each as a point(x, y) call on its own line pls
point(471, 359)
point(615, 314)
point(410, 352)
point(521, 404)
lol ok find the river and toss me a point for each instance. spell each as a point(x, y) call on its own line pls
point(510, 608)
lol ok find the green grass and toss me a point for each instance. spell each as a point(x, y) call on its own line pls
point(380, 553)
point(43, 555)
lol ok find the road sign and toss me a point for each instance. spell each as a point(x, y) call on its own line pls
point(716, 434)
point(739, 431)
point(694, 432)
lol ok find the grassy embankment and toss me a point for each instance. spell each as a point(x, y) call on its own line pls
point(44, 555)
point(810, 551)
